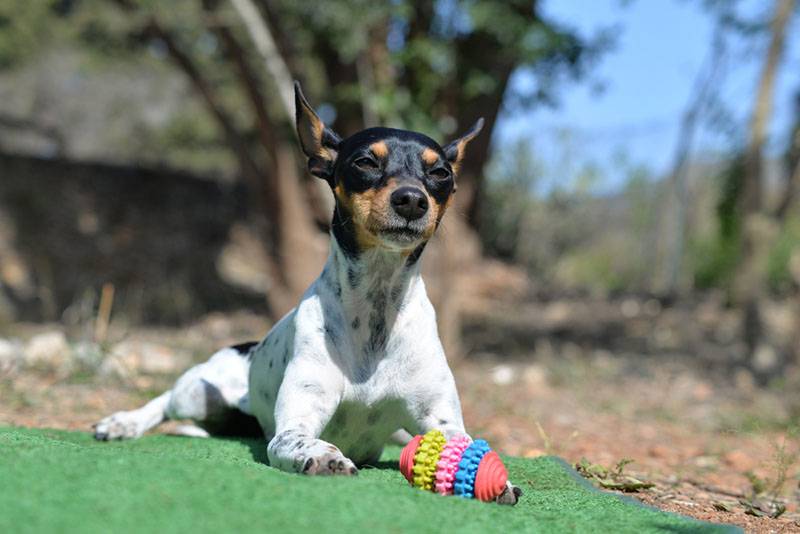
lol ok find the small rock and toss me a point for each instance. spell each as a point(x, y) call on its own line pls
point(132, 357)
point(48, 350)
point(502, 375)
point(10, 357)
point(705, 462)
point(630, 308)
point(88, 355)
point(765, 358)
point(535, 377)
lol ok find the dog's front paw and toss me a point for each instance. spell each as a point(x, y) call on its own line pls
point(510, 495)
point(329, 463)
point(121, 425)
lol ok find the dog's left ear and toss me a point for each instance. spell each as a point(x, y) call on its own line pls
point(454, 151)
point(319, 143)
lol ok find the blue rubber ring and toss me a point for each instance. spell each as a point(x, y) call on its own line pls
point(464, 484)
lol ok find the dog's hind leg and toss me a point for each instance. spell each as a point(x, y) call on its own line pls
point(212, 394)
point(133, 423)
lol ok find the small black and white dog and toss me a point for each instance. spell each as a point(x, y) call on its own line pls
point(359, 358)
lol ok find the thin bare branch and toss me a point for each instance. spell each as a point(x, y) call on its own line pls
point(265, 44)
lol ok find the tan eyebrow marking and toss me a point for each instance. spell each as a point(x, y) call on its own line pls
point(429, 156)
point(380, 149)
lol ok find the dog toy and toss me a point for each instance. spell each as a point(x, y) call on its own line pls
point(461, 467)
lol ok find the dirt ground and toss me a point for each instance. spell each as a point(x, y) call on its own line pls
point(706, 445)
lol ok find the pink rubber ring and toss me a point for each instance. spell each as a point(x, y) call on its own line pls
point(448, 464)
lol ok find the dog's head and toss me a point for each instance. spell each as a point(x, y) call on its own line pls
point(391, 187)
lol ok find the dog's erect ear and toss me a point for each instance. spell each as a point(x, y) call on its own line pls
point(319, 143)
point(454, 151)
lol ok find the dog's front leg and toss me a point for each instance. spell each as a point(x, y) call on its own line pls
point(296, 450)
point(303, 408)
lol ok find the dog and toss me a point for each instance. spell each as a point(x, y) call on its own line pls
point(359, 359)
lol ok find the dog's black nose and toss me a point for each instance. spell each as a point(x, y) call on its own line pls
point(409, 202)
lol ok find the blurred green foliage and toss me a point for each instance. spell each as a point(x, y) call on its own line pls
point(565, 233)
point(716, 256)
point(779, 268)
point(433, 66)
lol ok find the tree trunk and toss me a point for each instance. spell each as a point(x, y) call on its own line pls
point(758, 229)
point(298, 248)
point(283, 199)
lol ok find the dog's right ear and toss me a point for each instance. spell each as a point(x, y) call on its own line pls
point(319, 143)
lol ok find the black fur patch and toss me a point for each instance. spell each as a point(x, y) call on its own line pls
point(344, 232)
point(244, 349)
point(414, 256)
point(377, 319)
point(353, 276)
point(356, 323)
point(337, 288)
point(396, 292)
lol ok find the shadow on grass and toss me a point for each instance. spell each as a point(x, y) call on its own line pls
point(383, 465)
point(257, 446)
point(258, 449)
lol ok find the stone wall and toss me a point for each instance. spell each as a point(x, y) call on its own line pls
point(67, 228)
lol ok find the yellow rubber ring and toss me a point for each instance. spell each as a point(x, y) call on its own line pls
point(426, 458)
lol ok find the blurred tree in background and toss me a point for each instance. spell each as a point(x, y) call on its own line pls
point(431, 66)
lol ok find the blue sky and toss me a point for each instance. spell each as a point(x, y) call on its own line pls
point(647, 78)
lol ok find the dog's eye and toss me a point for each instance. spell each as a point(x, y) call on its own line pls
point(366, 164)
point(440, 173)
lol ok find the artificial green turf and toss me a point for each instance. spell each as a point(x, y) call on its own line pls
point(54, 481)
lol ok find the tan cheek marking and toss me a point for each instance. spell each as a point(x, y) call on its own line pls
point(438, 211)
point(379, 149)
point(362, 208)
point(380, 206)
point(429, 156)
point(362, 205)
point(365, 239)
